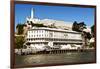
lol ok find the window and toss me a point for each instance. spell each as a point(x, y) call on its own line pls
point(51, 34)
point(42, 31)
point(31, 35)
point(65, 34)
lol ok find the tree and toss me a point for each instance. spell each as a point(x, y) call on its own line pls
point(20, 29)
point(88, 35)
point(52, 25)
point(75, 26)
point(78, 26)
point(92, 30)
point(19, 41)
point(82, 26)
point(92, 45)
point(37, 25)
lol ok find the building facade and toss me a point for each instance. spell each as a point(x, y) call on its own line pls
point(40, 37)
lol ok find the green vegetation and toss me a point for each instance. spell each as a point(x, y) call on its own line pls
point(87, 35)
point(52, 26)
point(92, 30)
point(91, 45)
point(20, 29)
point(38, 25)
point(19, 41)
point(78, 26)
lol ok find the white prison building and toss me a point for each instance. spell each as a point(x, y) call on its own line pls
point(39, 37)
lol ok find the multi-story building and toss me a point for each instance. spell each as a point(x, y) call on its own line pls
point(40, 37)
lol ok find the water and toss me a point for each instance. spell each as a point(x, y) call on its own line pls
point(72, 57)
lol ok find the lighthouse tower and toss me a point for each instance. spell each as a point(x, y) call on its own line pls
point(32, 13)
point(32, 18)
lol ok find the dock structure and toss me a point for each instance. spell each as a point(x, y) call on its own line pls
point(56, 51)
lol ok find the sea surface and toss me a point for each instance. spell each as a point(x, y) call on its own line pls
point(70, 57)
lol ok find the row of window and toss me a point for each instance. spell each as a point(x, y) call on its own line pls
point(51, 34)
point(33, 36)
point(36, 31)
point(47, 35)
point(55, 36)
point(30, 36)
point(52, 40)
point(41, 31)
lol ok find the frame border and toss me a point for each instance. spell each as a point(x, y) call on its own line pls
point(12, 21)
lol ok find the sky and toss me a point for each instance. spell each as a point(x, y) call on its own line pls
point(65, 13)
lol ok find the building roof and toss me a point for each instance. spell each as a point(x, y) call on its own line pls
point(47, 22)
point(53, 29)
